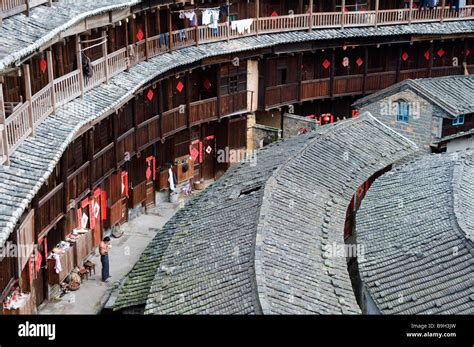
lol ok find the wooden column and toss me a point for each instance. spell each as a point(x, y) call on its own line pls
point(3, 133)
point(64, 168)
point(147, 55)
point(105, 55)
point(366, 68)
point(170, 30)
point(90, 158)
point(79, 65)
point(127, 53)
point(399, 64)
point(187, 86)
point(114, 117)
point(257, 15)
point(161, 100)
point(331, 78)
point(27, 77)
point(443, 5)
point(27, 3)
point(430, 64)
point(218, 86)
point(310, 15)
point(343, 14)
point(377, 6)
point(49, 60)
point(300, 75)
point(228, 20)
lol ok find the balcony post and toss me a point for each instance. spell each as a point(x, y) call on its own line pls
point(310, 15)
point(187, 87)
point(228, 20)
point(218, 87)
point(343, 7)
point(127, 53)
point(147, 55)
point(377, 6)
point(27, 3)
point(49, 60)
point(170, 30)
point(410, 17)
point(443, 5)
point(3, 128)
point(79, 65)
point(106, 56)
point(26, 72)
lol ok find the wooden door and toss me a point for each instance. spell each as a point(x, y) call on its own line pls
point(150, 181)
point(97, 215)
point(209, 156)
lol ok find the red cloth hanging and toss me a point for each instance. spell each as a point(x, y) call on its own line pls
point(103, 204)
point(38, 260)
point(45, 246)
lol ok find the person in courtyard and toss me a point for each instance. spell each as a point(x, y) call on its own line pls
point(104, 248)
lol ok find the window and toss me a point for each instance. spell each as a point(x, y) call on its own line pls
point(233, 84)
point(458, 120)
point(403, 111)
point(281, 76)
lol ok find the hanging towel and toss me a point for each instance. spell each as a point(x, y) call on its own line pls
point(214, 19)
point(242, 26)
point(171, 180)
point(206, 17)
point(191, 16)
point(182, 34)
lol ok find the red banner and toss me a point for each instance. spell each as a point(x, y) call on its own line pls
point(103, 204)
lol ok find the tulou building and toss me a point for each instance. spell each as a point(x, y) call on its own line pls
point(101, 100)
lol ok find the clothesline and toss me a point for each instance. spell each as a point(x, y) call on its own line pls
point(96, 45)
point(201, 9)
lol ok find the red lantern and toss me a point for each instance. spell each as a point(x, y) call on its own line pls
point(180, 86)
point(405, 56)
point(326, 64)
point(43, 65)
point(427, 55)
point(140, 34)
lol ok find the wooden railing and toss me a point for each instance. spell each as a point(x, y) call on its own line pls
point(42, 106)
point(50, 208)
point(67, 87)
point(282, 94)
point(98, 74)
point(174, 121)
point(184, 37)
point(11, 7)
point(235, 103)
point(148, 132)
point(315, 89)
point(18, 127)
point(117, 62)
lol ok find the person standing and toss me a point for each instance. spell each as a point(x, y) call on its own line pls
point(104, 248)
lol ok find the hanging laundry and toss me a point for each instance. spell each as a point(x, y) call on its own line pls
point(206, 17)
point(224, 11)
point(192, 17)
point(164, 40)
point(214, 19)
point(242, 26)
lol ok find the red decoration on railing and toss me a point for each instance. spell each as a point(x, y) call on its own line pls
point(43, 65)
point(150, 94)
point(326, 64)
point(180, 86)
point(140, 34)
point(355, 113)
point(440, 52)
point(405, 56)
point(207, 84)
point(427, 55)
point(467, 52)
point(274, 14)
point(359, 62)
point(30, 270)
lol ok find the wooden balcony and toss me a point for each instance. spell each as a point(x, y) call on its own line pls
point(315, 89)
point(11, 7)
point(148, 132)
point(236, 103)
point(50, 210)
